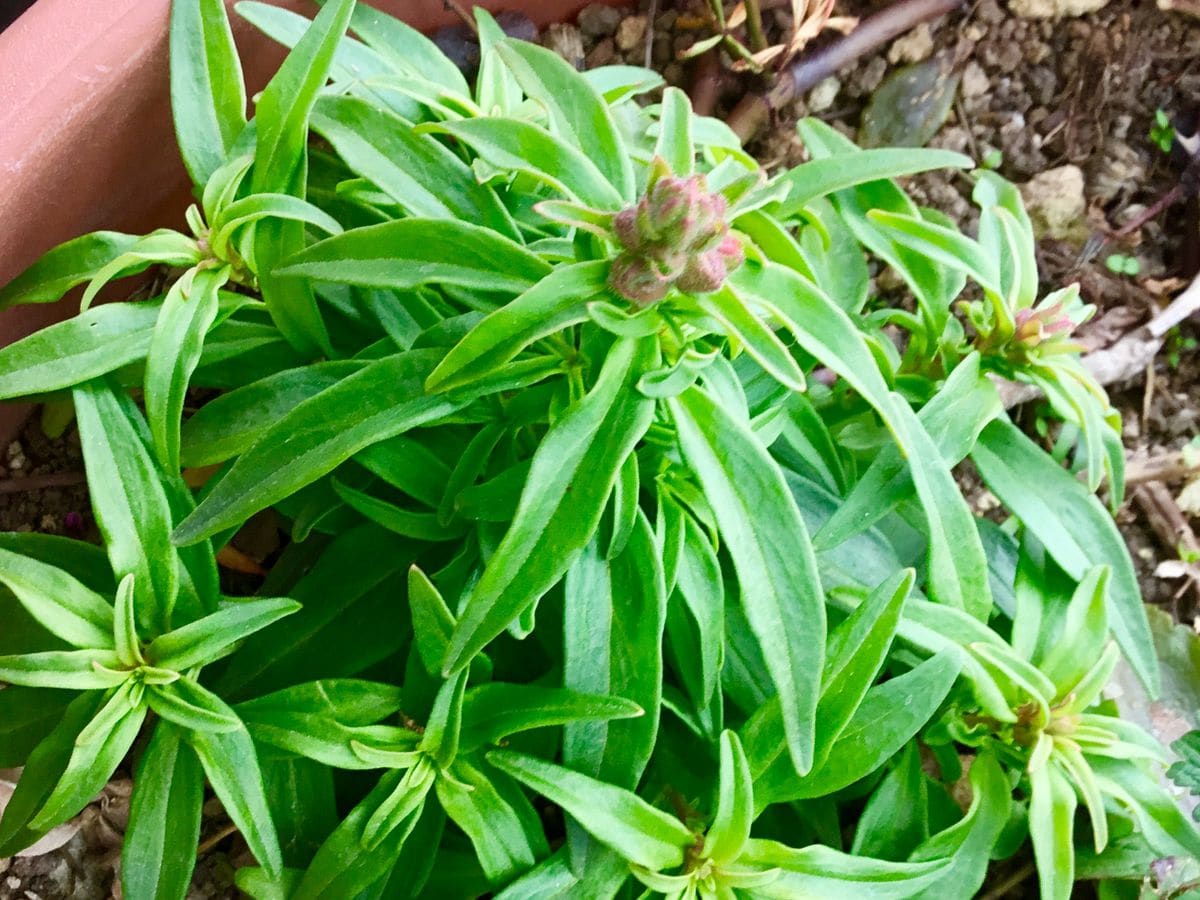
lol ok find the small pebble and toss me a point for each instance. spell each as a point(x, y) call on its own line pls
point(912, 47)
point(974, 82)
point(822, 97)
point(599, 20)
point(631, 33)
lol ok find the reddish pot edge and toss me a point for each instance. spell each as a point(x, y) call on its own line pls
point(86, 139)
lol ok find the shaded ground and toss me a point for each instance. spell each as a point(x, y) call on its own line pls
point(1033, 96)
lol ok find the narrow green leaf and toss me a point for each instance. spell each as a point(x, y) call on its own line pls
point(207, 639)
point(416, 171)
point(943, 245)
point(130, 503)
point(125, 637)
point(953, 418)
point(266, 206)
point(64, 267)
point(506, 841)
point(1051, 827)
point(818, 871)
point(64, 606)
point(281, 166)
point(617, 818)
point(408, 253)
point(231, 765)
point(192, 707)
point(820, 177)
point(496, 710)
point(65, 669)
point(442, 730)
point(188, 312)
point(514, 145)
point(766, 537)
point(675, 132)
point(208, 97)
point(229, 424)
point(158, 855)
point(42, 771)
point(576, 110)
point(572, 475)
point(730, 830)
point(1075, 529)
point(93, 343)
point(856, 653)
point(92, 762)
point(406, 49)
point(380, 401)
point(744, 325)
point(552, 304)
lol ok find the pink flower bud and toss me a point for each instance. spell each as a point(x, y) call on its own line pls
point(625, 226)
point(704, 273)
point(638, 279)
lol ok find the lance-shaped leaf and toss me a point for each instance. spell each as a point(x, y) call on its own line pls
point(91, 344)
point(382, 400)
point(72, 670)
point(696, 610)
point(442, 731)
point(514, 145)
point(42, 772)
point(408, 253)
point(675, 132)
point(730, 830)
point(98, 750)
point(189, 310)
point(1051, 823)
point(556, 302)
point(502, 825)
point(416, 171)
point(130, 503)
point(617, 818)
point(743, 324)
point(208, 97)
point(158, 854)
point(266, 206)
point(231, 765)
point(818, 871)
point(888, 717)
point(191, 706)
point(496, 710)
point(820, 177)
point(576, 110)
point(209, 638)
point(958, 566)
point(777, 573)
point(161, 247)
point(229, 424)
point(572, 475)
point(953, 418)
point(64, 267)
point(1075, 529)
point(344, 866)
point(64, 606)
point(406, 49)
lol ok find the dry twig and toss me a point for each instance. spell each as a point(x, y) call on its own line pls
point(753, 112)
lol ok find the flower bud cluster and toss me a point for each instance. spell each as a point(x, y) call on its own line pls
point(677, 236)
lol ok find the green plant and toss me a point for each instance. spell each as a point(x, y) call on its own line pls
point(1119, 264)
point(526, 373)
point(1162, 132)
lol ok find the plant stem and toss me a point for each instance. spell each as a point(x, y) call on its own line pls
point(754, 26)
point(753, 112)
